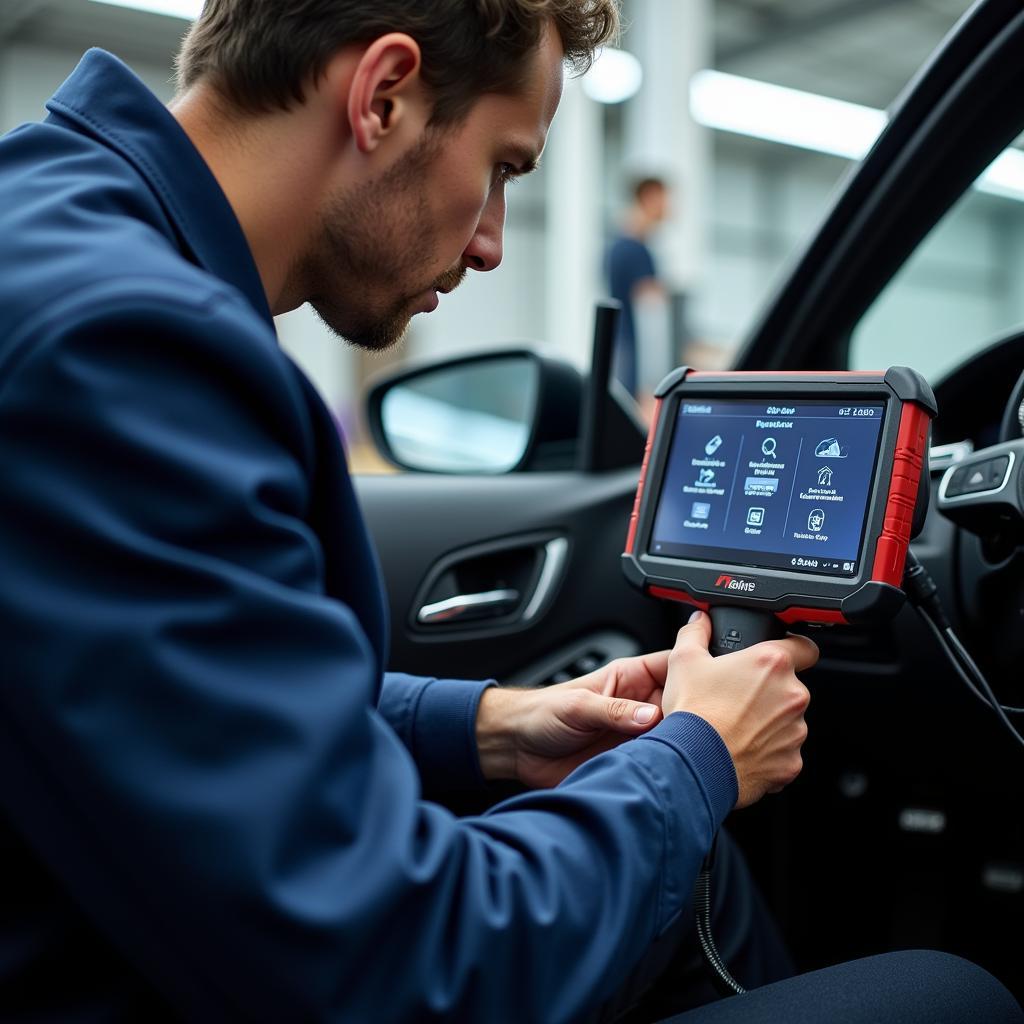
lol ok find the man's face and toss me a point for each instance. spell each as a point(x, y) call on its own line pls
point(389, 246)
point(655, 203)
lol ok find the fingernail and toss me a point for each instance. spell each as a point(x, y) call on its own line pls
point(644, 713)
point(695, 616)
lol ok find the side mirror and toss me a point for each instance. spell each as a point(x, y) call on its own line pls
point(495, 412)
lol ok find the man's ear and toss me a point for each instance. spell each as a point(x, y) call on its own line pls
point(385, 85)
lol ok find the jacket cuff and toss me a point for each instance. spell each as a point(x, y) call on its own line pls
point(438, 724)
point(700, 746)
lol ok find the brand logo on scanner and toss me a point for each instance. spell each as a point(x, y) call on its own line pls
point(733, 583)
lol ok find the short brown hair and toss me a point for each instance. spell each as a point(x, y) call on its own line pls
point(260, 54)
point(645, 185)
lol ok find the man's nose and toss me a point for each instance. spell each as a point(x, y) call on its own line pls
point(484, 251)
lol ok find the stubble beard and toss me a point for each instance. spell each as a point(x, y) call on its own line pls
point(365, 250)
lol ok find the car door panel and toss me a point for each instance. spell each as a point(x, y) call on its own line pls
point(422, 522)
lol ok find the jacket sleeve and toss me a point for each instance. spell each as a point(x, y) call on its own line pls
point(436, 720)
point(189, 735)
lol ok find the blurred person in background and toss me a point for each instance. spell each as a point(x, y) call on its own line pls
point(643, 349)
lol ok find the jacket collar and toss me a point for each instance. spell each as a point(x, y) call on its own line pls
point(104, 98)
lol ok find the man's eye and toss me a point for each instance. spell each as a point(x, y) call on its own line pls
point(507, 174)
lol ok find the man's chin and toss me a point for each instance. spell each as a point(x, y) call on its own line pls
point(376, 337)
point(383, 337)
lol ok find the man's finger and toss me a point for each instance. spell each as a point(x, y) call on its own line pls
point(802, 650)
point(597, 712)
point(695, 636)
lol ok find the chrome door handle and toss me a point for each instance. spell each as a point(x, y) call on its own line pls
point(550, 575)
point(466, 605)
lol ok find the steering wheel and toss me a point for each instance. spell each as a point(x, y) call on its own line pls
point(984, 495)
point(1012, 426)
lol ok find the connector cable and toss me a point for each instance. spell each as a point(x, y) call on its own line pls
point(923, 594)
point(723, 981)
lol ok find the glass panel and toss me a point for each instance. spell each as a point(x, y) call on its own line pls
point(473, 418)
point(961, 289)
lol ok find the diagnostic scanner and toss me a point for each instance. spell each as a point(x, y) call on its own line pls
point(770, 499)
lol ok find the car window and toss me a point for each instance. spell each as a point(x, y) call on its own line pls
point(962, 287)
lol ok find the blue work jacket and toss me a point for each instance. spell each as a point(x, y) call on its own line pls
point(211, 794)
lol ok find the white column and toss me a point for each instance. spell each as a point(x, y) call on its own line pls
point(672, 39)
point(572, 166)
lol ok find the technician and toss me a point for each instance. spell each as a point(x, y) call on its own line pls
point(212, 794)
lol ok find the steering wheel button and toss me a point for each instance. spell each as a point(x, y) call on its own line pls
point(955, 487)
point(976, 478)
point(997, 470)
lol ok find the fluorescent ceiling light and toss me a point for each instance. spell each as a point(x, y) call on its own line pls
point(614, 76)
point(772, 112)
point(777, 114)
point(174, 8)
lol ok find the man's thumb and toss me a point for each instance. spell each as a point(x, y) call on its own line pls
point(595, 711)
point(696, 634)
point(628, 715)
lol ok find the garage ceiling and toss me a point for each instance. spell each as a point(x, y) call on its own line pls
point(859, 50)
point(863, 51)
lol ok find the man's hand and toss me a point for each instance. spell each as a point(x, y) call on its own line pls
point(752, 698)
point(540, 736)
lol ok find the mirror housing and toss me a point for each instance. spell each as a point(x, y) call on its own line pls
point(500, 411)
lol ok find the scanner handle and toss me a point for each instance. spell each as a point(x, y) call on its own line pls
point(734, 629)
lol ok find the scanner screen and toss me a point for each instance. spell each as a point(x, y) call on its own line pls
point(774, 484)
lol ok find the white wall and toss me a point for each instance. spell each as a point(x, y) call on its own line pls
point(30, 75)
point(766, 201)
